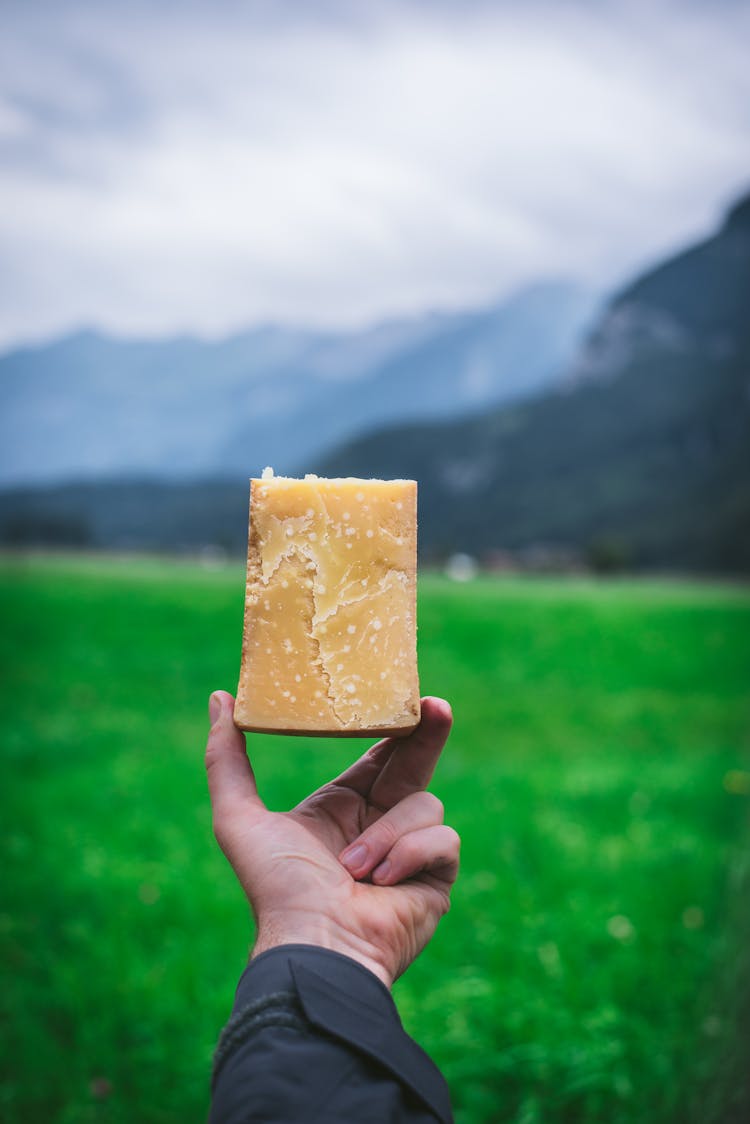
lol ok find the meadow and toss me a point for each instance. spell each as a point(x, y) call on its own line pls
point(594, 966)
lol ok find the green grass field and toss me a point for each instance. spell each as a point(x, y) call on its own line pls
point(594, 966)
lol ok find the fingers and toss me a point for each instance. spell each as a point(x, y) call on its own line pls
point(419, 810)
point(362, 774)
point(427, 849)
point(409, 839)
point(412, 760)
point(417, 752)
point(231, 781)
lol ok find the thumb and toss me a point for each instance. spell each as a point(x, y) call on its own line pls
point(231, 780)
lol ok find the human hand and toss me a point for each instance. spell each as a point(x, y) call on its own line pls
point(364, 866)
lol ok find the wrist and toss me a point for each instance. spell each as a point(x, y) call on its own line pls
point(274, 931)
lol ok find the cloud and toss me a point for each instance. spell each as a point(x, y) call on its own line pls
point(202, 167)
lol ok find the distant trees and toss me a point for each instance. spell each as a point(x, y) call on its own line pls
point(47, 529)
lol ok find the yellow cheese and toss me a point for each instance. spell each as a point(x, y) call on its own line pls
point(329, 644)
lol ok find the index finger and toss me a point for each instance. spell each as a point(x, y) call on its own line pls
point(412, 759)
point(361, 776)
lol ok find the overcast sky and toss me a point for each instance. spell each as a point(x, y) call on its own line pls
point(204, 167)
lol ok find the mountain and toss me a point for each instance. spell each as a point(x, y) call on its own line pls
point(90, 405)
point(638, 454)
point(642, 450)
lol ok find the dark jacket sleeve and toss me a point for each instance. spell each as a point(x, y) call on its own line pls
point(316, 1037)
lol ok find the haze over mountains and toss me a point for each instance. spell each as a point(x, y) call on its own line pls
point(638, 451)
point(642, 451)
point(89, 405)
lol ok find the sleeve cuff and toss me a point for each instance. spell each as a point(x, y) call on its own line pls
point(340, 997)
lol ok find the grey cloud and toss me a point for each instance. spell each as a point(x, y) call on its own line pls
point(194, 166)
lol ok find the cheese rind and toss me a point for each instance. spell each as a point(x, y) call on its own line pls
point(329, 643)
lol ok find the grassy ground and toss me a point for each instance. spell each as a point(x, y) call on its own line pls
point(598, 773)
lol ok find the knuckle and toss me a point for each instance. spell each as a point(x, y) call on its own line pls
point(219, 830)
point(403, 850)
point(435, 805)
point(451, 852)
point(384, 834)
point(409, 853)
point(212, 755)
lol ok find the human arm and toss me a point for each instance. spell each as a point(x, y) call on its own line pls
point(362, 868)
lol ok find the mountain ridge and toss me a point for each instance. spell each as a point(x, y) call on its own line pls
point(639, 455)
point(645, 443)
point(87, 405)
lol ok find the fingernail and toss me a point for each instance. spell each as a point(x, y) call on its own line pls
point(214, 708)
point(381, 873)
point(353, 859)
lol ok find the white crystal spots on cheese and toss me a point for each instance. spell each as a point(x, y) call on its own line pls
point(351, 586)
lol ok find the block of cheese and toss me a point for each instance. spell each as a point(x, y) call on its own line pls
point(329, 643)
